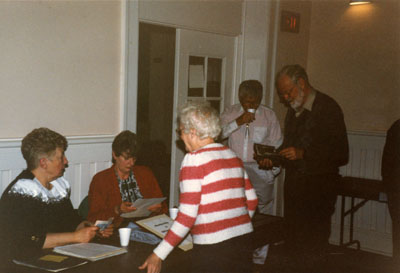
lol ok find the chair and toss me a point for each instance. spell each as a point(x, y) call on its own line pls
point(83, 208)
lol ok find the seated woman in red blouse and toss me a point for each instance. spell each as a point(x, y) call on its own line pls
point(113, 190)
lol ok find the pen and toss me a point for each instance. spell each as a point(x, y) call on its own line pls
point(160, 224)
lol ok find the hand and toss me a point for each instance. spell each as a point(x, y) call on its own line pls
point(84, 235)
point(84, 224)
point(245, 118)
point(292, 153)
point(124, 207)
point(265, 163)
point(153, 264)
point(155, 208)
point(107, 232)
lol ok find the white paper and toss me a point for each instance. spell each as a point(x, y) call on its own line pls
point(141, 206)
point(196, 76)
point(160, 225)
point(90, 251)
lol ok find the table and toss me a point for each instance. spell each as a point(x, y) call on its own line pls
point(267, 229)
point(176, 262)
point(354, 187)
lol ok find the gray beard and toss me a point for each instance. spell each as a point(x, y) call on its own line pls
point(298, 101)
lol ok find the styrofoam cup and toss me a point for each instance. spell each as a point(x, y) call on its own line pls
point(251, 110)
point(173, 212)
point(124, 236)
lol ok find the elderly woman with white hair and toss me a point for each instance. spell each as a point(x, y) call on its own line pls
point(217, 200)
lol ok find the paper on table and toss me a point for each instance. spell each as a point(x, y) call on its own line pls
point(141, 206)
point(89, 251)
point(160, 225)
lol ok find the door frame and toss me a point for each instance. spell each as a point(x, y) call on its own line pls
point(129, 78)
point(173, 193)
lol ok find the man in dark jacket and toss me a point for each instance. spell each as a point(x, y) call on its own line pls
point(315, 144)
point(391, 182)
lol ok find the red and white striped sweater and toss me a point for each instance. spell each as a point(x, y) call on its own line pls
point(217, 199)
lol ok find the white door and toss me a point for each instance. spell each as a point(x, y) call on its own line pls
point(204, 70)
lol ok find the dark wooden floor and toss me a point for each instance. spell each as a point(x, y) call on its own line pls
point(340, 260)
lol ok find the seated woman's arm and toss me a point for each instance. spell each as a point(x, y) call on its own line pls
point(83, 235)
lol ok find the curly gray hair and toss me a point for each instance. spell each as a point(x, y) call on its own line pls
point(201, 117)
point(41, 142)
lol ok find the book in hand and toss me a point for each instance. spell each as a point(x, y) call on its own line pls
point(265, 151)
point(90, 251)
point(51, 262)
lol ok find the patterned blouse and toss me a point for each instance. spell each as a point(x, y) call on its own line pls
point(129, 188)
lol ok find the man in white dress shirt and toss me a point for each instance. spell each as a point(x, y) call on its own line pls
point(247, 123)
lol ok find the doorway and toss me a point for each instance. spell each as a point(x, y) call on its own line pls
point(155, 100)
point(204, 70)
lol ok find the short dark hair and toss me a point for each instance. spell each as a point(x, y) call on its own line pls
point(294, 72)
point(41, 142)
point(125, 142)
point(250, 88)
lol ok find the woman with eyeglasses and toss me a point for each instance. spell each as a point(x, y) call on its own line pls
point(114, 190)
point(217, 200)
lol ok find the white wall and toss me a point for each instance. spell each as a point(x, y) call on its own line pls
point(256, 37)
point(292, 48)
point(354, 56)
point(222, 16)
point(60, 67)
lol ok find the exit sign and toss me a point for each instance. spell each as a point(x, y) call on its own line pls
point(290, 21)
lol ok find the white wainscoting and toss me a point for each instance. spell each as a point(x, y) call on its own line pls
point(89, 155)
point(86, 156)
point(372, 223)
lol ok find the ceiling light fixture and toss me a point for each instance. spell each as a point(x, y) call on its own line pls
point(359, 2)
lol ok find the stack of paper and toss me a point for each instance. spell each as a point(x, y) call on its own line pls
point(90, 251)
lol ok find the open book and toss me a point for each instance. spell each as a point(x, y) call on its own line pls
point(90, 251)
point(50, 262)
point(160, 225)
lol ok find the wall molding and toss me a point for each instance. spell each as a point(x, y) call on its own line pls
point(73, 140)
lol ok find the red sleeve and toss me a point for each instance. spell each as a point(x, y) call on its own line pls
point(103, 197)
